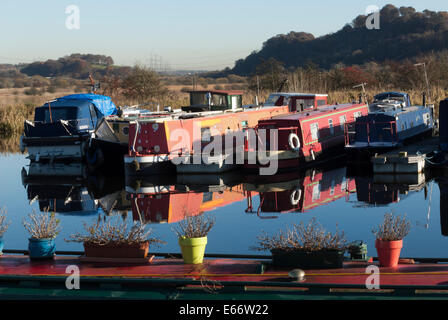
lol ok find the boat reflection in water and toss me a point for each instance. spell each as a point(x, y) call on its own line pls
point(70, 189)
point(171, 201)
point(382, 190)
point(443, 185)
point(300, 191)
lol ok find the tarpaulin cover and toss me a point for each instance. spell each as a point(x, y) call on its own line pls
point(104, 104)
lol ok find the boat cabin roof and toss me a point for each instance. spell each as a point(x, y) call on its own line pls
point(213, 100)
point(222, 92)
point(297, 94)
point(327, 110)
point(390, 95)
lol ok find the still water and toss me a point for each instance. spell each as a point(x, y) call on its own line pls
point(243, 206)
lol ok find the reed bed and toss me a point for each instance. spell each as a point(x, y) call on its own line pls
point(13, 117)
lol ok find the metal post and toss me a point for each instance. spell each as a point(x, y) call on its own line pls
point(426, 79)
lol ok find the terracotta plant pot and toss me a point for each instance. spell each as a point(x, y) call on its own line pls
point(388, 252)
point(116, 251)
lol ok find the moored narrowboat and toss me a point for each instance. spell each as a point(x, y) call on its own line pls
point(298, 102)
point(391, 122)
point(294, 140)
point(195, 141)
point(62, 128)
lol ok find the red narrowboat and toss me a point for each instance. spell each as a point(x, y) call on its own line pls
point(293, 140)
point(194, 140)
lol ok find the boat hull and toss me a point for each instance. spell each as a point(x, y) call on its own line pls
point(56, 148)
point(148, 165)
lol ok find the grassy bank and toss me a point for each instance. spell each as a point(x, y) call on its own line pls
point(13, 117)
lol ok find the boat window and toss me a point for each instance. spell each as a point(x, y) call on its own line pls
point(330, 126)
point(316, 192)
point(314, 127)
point(201, 99)
point(321, 103)
point(93, 115)
point(207, 197)
point(342, 121)
point(304, 104)
point(344, 184)
point(332, 188)
point(57, 113)
point(272, 100)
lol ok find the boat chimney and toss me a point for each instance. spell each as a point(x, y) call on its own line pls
point(256, 101)
point(424, 99)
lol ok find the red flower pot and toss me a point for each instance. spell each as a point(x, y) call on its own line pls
point(388, 252)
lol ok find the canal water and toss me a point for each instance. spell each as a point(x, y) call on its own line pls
point(244, 205)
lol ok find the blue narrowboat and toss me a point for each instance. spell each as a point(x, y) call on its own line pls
point(392, 120)
point(62, 128)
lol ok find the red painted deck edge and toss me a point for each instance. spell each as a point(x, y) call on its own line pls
point(224, 270)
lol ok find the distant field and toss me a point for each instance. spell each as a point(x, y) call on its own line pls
point(15, 96)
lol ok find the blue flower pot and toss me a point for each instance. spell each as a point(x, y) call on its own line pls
point(41, 248)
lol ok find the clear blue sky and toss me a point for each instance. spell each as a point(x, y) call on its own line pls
point(186, 34)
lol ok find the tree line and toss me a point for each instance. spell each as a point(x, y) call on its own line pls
point(404, 33)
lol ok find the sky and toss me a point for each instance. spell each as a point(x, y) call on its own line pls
point(175, 34)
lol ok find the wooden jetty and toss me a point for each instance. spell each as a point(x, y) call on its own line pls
point(410, 159)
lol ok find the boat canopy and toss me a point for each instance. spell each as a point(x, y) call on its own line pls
point(400, 96)
point(103, 104)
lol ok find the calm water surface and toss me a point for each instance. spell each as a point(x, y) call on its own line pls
point(243, 206)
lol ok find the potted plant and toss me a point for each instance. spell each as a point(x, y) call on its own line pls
point(43, 228)
point(115, 238)
point(3, 228)
point(192, 234)
point(305, 246)
point(389, 239)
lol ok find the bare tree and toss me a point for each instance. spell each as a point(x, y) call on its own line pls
point(143, 85)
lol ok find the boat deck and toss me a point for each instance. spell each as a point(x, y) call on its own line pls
point(216, 278)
